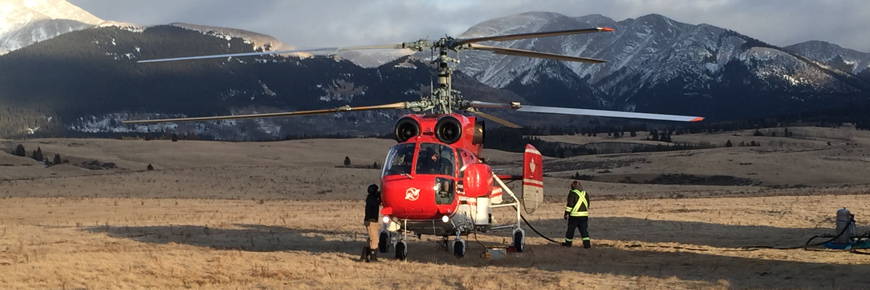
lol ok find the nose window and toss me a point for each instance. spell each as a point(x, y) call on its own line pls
point(444, 190)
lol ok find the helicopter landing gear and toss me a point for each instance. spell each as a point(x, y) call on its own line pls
point(401, 245)
point(445, 244)
point(401, 250)
point(384, 243)
point(519, 239)
point(458, 246)
point(459, 249)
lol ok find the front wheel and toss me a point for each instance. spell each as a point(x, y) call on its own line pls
point(518, 241)
point(384, 242)
point(458, 249)
point(401, 251)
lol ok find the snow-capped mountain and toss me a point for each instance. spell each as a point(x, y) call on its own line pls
point(682, 66)
point(24, 22)
point(260, 41)
point(844, 59)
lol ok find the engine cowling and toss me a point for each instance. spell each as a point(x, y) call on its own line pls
point(406, 128)
point(479, 130)
point(448, 130)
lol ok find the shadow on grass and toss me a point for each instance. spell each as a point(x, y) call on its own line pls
point(254, 238)
point(720, 262)
point(686, 232)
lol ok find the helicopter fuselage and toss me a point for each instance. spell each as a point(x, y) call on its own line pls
point(435, 168)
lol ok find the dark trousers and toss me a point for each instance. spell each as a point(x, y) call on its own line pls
point(581, 223)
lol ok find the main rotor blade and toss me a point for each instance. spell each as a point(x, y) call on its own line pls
point(400, 105)
point(585, 112)
point(312, 50)
point(501, 121)
point(532, 35)
point(528, 53)
point(603, 113)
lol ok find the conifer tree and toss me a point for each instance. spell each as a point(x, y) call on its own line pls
point(20, 151)
point(37, 154)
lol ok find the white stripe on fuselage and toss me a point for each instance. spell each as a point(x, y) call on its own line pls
point(533, 182)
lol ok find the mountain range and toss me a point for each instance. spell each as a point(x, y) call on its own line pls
point(661, 65)
point(82, 76)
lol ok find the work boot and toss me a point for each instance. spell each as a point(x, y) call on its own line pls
point(566, 244)
point(365, 254)
point(587, 244)
point(373, 255)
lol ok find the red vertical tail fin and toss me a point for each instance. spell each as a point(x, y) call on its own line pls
point(533, 179)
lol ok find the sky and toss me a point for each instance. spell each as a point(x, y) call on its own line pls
point(328, 23)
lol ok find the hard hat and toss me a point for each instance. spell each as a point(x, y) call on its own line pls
point(373, 189)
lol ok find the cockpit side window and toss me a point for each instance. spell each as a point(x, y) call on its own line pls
point(434, 158)
point(399, 160)
point(461, 160)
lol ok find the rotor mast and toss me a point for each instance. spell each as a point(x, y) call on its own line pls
point(442, 99)
point(445, 98)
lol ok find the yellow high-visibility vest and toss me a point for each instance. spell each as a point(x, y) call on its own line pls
point(581, 208)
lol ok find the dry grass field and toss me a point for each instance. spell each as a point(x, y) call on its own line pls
point(287, 215)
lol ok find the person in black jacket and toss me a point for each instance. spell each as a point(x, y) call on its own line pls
point(373, 204)
point(577, 214)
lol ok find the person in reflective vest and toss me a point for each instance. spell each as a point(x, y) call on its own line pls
point(577, 214)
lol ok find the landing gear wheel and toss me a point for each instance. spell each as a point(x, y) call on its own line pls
point(519, 239)
point(384, 242)
point(459, 249)
point(401, 251)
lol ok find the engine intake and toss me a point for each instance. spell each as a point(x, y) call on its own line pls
point(448, 130)
point(406, 128)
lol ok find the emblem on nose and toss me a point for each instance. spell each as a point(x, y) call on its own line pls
point(412, 194)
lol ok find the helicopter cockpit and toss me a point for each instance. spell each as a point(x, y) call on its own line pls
point(432, 159)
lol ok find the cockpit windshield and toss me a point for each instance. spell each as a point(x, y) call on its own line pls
point(399, 160)
point(432, 158)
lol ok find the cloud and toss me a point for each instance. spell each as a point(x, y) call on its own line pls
point(349, 22)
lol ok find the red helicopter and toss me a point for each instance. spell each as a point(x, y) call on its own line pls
point(434, 180)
